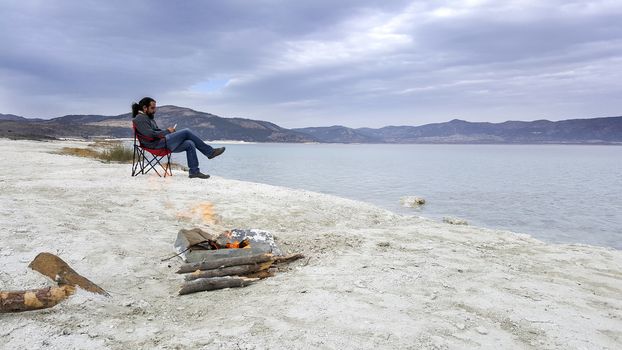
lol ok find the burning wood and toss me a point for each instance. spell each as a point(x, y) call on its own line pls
point(238, 245)
point(212, 258)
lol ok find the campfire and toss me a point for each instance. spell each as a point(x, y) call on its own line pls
point(224, 241)
point(234, 258)
point(217, 258)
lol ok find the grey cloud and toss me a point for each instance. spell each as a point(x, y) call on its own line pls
point(489, 63)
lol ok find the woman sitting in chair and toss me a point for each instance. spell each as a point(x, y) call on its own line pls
point(143, 114)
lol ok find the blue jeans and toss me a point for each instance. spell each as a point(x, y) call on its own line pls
point(186, 140)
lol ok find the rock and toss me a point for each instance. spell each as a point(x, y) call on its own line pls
point(481, 330)
point(461, 326)
point(412, 202)
point(454, 221)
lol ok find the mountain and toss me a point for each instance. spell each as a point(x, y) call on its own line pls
point(212, 127)
point(594, 131)
point(206, 125)
point(340, 134)
point(11, 117)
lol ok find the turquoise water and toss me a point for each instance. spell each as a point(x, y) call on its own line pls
point(557, 193)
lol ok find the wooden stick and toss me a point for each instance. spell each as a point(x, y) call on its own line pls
point(261, 274)
point(34, 299)
point(205, 284)
point(55, 268)
point(288, 258)
point(225, 262)
point(229, 271)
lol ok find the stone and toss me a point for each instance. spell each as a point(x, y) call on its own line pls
point(412, 202)
point(454, 221)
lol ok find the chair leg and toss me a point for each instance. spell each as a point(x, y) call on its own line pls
point(168, 166)
point(137, 161)
point(142, 164)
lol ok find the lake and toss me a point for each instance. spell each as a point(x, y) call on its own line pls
point(557, 193)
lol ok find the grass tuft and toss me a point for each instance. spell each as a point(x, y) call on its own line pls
point(106, 152)
point(109, 151)
point(117, 153)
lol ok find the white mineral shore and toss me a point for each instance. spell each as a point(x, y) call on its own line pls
point(374, 280)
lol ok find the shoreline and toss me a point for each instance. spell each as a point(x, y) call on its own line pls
point(107, 138)
point(375, 279)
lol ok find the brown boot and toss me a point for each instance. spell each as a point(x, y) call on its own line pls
point(216, 152)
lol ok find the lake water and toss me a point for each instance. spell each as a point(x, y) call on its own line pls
point(557, 193)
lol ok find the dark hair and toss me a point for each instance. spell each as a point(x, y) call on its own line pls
point(146, 101)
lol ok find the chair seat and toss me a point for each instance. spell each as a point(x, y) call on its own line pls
point(157, 151)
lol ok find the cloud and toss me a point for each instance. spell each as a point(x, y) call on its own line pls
point(309, 63)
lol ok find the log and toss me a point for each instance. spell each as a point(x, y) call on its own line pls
point(229, 271)
point(34, 299)
point(195, 256)
point(205, 284)
point(55, 268)
point(225, 262)
point(288, 258)
point(261, 274)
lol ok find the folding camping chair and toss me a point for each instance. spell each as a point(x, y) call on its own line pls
point(145, 159)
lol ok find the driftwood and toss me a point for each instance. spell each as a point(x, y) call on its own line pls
point(225, 262)
point(288, 258)
point(262, 274)
point(229, 271)
point(58, 270)
point(224, 271)
point(26, 300)
point(205, 284)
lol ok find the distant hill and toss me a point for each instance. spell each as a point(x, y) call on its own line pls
point(341, 134)
point(206, 125)
point(11, 117)
point(212, 127)
point(594, 131)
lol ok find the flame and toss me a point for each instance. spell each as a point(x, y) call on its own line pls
point(206, 212)
point(201, 212)
point(235, 244)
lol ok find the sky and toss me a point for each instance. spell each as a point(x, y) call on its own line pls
point(303, 63)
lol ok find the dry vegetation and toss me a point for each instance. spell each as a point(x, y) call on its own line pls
point(106, 151)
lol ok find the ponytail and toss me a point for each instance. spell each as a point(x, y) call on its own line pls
point(136, 107)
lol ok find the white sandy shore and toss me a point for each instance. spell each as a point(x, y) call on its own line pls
point(374, 280)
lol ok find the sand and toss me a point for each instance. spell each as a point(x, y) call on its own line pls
point(373, 280)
